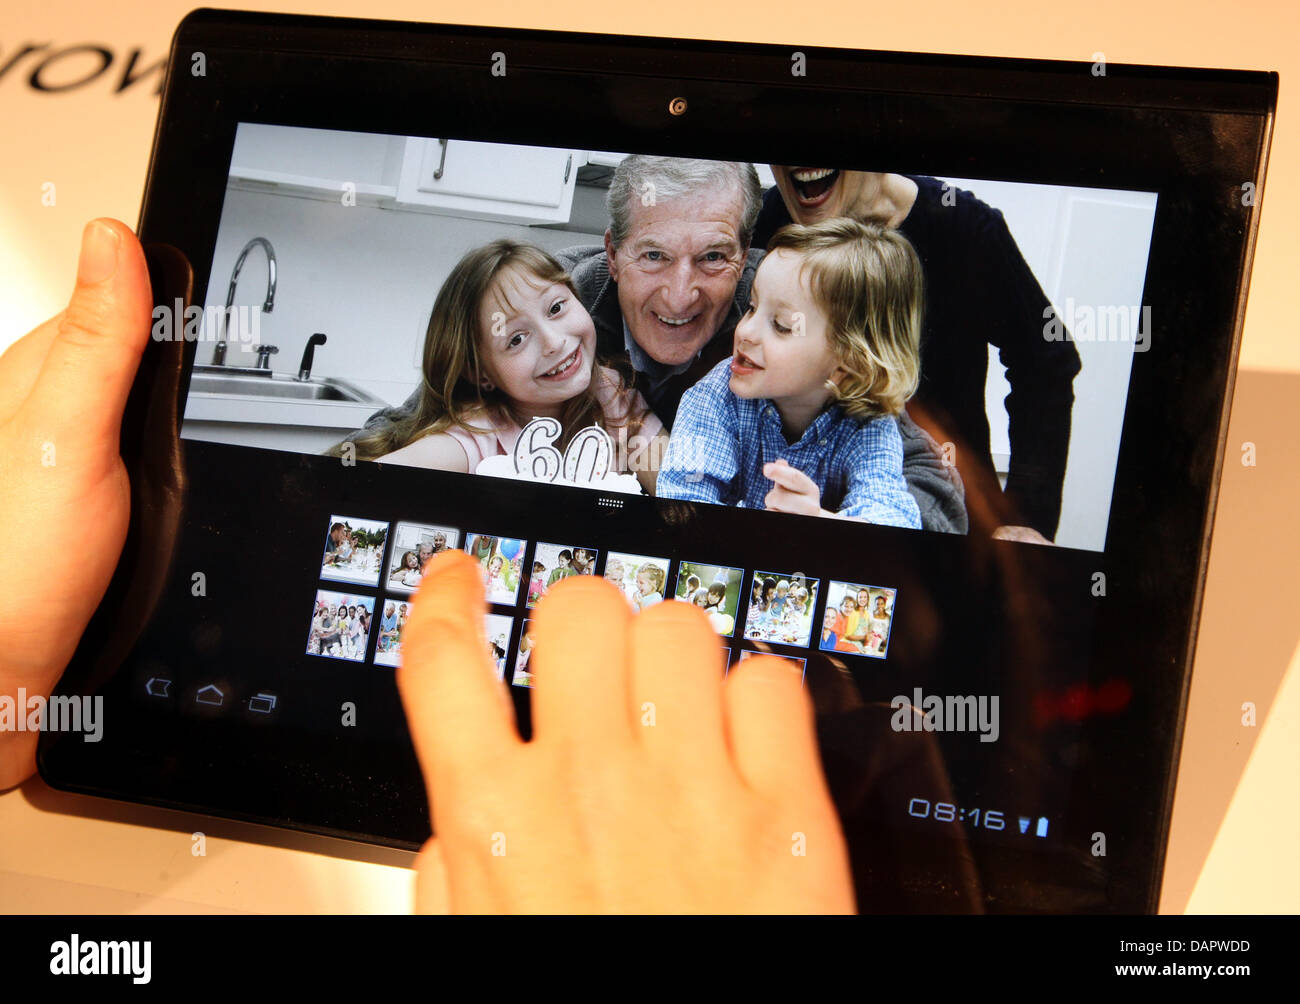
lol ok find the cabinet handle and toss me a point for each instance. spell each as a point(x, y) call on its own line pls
point(567, 164)
point(442, 162)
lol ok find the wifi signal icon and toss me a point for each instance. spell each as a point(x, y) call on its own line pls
point(1024, 824)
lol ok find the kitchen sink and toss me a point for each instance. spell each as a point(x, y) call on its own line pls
point(266, 384)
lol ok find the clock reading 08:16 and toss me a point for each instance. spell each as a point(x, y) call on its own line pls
point(946, 812)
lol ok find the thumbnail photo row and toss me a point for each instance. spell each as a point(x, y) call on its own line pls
point(341, 625)
point(780, 606)
point(354, 550)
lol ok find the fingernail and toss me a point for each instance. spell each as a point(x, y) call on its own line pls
point(99, 246)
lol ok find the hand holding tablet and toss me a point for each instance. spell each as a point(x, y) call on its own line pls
point(648, 787)
point(62, 391)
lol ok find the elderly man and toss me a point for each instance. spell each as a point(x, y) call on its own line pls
point(673, 278)
point(671, 282)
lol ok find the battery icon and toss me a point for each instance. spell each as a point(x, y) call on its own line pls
point(1042, 826)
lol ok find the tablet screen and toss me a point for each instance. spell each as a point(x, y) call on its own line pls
point(587, 328)
point(1030, 288)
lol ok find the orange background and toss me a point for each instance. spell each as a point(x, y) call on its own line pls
point(1236, 819)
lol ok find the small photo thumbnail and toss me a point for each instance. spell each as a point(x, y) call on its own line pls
point(715, 589)
point(639, 577)
point(501, 560)
point(354, 548)
point(553, 562)
point(523, 674)
point(497, 630)
point(857, 619)
point(781, 607)
point(795, 663)
point(340, 625)
point(413, 545)
point(392, 624)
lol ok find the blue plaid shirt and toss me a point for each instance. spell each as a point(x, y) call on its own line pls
point(720, 443)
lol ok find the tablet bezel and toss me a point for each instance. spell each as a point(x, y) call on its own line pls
point(1202, 133)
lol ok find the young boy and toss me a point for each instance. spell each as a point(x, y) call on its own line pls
point(801, 418)
point(649, 586)
point(776, 606)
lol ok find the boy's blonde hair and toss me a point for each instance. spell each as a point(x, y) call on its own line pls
point(655, 574)
point(867, 280)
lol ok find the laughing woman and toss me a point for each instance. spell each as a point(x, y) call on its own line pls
point(510, 341)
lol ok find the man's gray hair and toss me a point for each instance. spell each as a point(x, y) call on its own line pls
point(649, 180)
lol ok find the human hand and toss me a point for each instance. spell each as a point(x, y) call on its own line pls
point(1023, 534)
point(794, 491)
point(650, 785)
point(63, 388)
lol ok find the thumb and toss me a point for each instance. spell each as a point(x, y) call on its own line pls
point(81, 390)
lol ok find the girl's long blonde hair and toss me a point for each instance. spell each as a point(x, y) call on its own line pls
point(451, 394)
point(868, 281)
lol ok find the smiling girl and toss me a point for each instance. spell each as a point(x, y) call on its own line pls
point(508, 341)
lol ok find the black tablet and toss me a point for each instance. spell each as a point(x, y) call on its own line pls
point(912, 369)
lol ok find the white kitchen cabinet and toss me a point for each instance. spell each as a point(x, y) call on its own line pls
point(515, 184)
point(317, 163)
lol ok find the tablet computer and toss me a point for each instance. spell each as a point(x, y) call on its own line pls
point(560, 300)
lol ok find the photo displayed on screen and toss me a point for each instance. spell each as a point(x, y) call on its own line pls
point(715, 589)
point(639, 577)
point(392, 623)
point(857, 619)
point(353, 550)
point(414, 544)
point(553, 563)
point(523, 674)
point(513, 317)
point(340, 625)
point(501, 560)
point(497, 628)
point(781, 608)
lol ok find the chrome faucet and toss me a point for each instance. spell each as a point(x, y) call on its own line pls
point(219, 353)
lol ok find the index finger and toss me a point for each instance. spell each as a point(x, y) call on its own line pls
point(453, 700)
